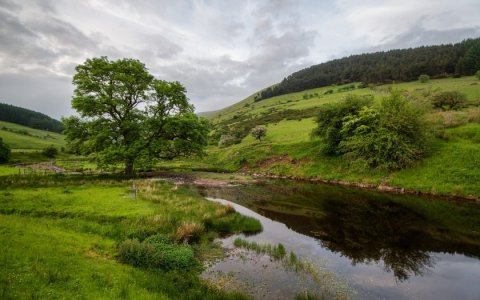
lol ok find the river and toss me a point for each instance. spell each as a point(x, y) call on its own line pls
point(373, 245)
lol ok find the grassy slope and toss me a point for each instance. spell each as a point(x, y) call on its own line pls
point(36, 139)
point(451, 167)
point(59, 237)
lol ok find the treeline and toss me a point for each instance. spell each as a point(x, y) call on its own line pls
point(461, 59)
point(30, 118)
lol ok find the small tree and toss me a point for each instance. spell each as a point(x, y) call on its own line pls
point(259, 132)
point(128, 116)
point(5, 152)
point(449, 100)
point(331, 117)
point(424, 78)
point(390, 136)
point(50, 151)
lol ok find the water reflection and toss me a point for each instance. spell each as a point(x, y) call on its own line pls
point(402, 233)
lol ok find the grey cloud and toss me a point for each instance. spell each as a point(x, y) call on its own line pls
point(38, 91)
point(417, 35)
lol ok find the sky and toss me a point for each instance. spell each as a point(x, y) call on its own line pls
point(222, 51)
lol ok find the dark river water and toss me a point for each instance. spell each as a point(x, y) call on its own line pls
point(375, 245)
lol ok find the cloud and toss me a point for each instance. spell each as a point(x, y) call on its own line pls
point(222, 51)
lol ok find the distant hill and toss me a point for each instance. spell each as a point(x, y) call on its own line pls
point(207, 114)
point(461, 59)
point(22, 137)
point(29, 118)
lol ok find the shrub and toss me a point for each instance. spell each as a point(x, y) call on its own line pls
point(50, 151)
point(5, 152)
point(330, 120)
point(449, 100)
point(171, 256)
point(424, 78)
point(391, 136)
point(226, 140)
point(477, 74)
point(258, 132)
point(189, 231)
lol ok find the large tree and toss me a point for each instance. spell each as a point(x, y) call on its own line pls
point(127, 116)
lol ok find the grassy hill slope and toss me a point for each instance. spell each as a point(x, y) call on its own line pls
point(451, 167)
point(22, 137)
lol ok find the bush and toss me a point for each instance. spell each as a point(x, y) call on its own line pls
point(226, 140)
point(258, 132)
point(5, 152)
point(330, 120)
point(170, 255)
point(391, 136)
point(50, 151)
point(477, 74)
point(424, 78)
point(449, 100)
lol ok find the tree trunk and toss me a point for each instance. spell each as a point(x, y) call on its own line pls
point(129, 167)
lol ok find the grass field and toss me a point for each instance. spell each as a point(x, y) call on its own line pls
point(21, 137)
point(468, 85)
point(450, 167)
point(60, 238)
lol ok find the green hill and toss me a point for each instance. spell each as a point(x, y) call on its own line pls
point(451, 166)
point(22, 137)
point(401, 65)
point(29, 118)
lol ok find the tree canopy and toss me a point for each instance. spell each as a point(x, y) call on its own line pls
point(128, 116)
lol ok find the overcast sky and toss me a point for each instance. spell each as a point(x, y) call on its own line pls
point(222, 51)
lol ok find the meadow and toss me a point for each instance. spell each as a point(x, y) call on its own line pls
point(62, 236)
point(22, 137)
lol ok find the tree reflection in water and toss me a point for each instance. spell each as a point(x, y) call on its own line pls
point(402, 232)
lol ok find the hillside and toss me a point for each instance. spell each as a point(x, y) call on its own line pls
point(22, 137)
point(29, 118)
point(400, 65)
point(451, 166)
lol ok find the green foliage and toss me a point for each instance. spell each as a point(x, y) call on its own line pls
point(424, 78)
point(129, 117)
point(449, 100)
point(477, 74)
point(391, 136)
point(50, 151)
point(5, 152)
point(331, 117)
point(226, 140)
point(259, 132)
